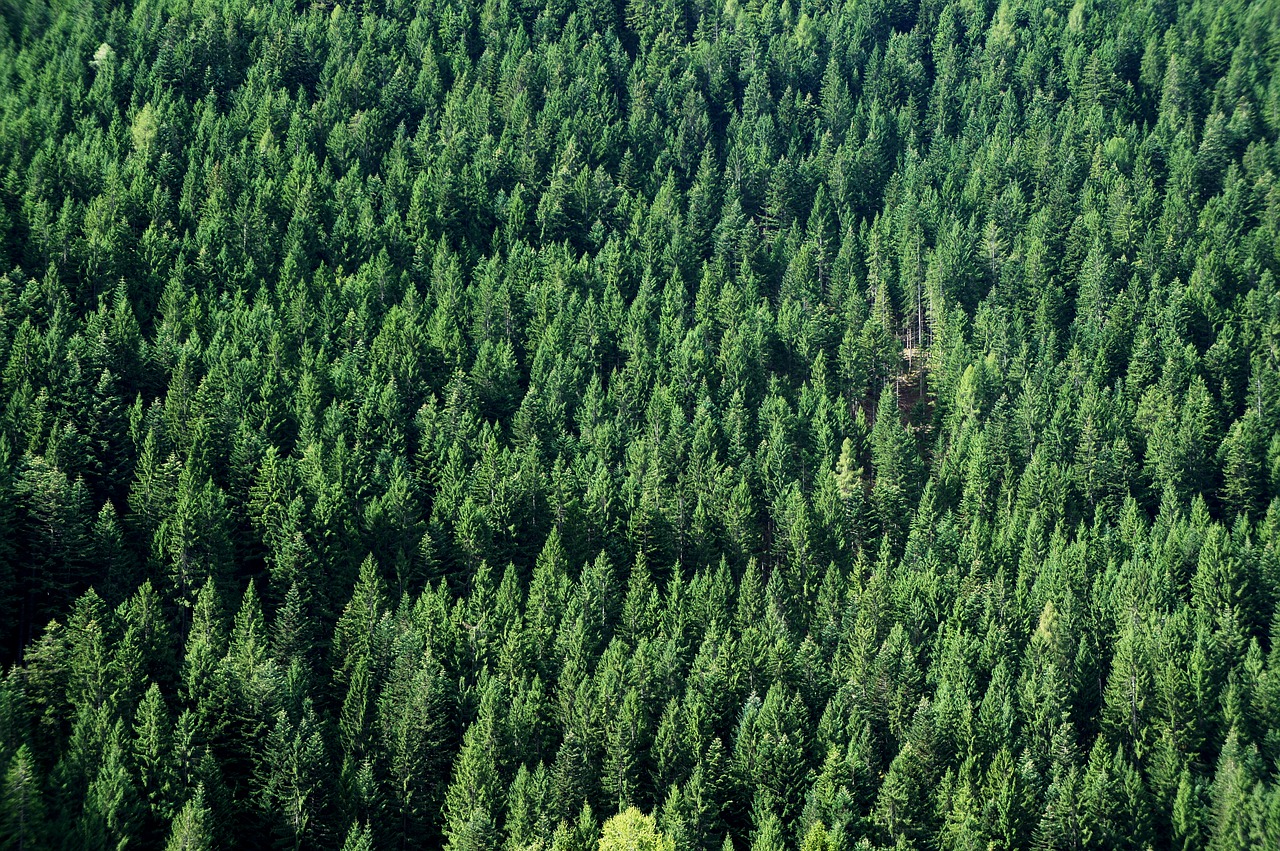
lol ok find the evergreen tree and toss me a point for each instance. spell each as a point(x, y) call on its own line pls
point(190, 831)
point(813, 425)
point(24, 812)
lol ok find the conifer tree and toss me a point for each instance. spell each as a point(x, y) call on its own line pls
point(190, 831)
point(24, 811)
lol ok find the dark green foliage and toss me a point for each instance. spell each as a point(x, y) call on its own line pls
point(792, 425)
point(24, 813)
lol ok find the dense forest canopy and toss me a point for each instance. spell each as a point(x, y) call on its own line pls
point(672, 424)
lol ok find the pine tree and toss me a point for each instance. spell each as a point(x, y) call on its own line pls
point(152, 764)
point(1243, 456)
point(190, 831)
point(111, 801)
point(292, 776)
point(471, 804)
point(896, 466)
point(203, 680)
point(768, 834)
point(416, 725)
point(355, 634)
point(359, 838)
point(22, 819)
point(623, 751)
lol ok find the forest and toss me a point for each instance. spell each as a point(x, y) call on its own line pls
point(561, 425)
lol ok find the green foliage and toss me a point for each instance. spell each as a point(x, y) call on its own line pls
point(820, 426)
point(190, 826)
point(632, 830)
point(24, 813)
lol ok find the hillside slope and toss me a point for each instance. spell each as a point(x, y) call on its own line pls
point(819, 426)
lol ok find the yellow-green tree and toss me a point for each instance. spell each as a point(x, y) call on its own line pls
point(632, 830)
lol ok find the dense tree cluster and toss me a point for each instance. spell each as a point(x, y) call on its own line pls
point(673, 424)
